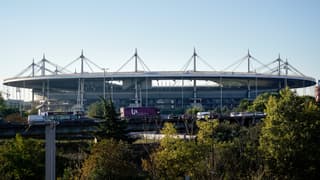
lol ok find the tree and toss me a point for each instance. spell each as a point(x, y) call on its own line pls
point(6, 111)
point(193, 111)
point(232, 149)
point(2, 102)
point(16, 117)
point(112, 126)
point(96, 110)
point(290, 137)
point(243, 105)
point(176, 158)
point(259, 103)
point(22, 159)
point(109, 159)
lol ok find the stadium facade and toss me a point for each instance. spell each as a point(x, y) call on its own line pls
point(171, 91)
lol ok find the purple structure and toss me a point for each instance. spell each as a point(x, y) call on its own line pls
point(138, 112)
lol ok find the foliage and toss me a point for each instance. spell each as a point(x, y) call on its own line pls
point(221, 151)
point(176, 158)
point(2, 102)
point(193, 111)
point(15, 117)
point(109, 159)
point(70, 155)
point(4, 109)
point(234, 149)
point(22, 159)
point(259, 104)
point(205, 132)
point(112, 126)
point(96, 110)
point(226, 131)
point(290, 137)
point(243, 105)
point(239, 158)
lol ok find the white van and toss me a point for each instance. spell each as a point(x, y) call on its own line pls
point(203, 115)
point(36, 120)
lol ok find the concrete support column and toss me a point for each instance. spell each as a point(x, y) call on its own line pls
point(50, 151)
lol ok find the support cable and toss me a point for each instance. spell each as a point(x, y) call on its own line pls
point(123, 65)
point(143, 64)
point(206, 63)
point(240, 61)
point(88, 66)
point(72, 62)
point(185, 67)
point(87, 59)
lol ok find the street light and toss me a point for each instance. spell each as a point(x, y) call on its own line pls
point(104, 82)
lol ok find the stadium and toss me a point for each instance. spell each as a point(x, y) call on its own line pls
point(56, 87)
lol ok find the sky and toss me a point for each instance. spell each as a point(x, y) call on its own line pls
point(164, 32)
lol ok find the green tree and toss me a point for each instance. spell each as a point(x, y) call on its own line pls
point(290, 137)
point(22, 159)
point(112, 126)
point(5, 110)
point(260, 102)
point(243, 105)
point(176, 158)
point(109, 159)
point(2, 102)
point(96, 110)
point(193, 111)
point(232, 149)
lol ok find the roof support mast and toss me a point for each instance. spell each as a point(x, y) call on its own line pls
point(279, 65)
point(194, 81)
point(194, 60)
point(33, 68)
point(82, 58)
point(249, 88)
point(136, 98)
point(43, 67)
point(286, 70)
point(279, 69)
point(249, 56)
point(80, 95)
point(136, 61)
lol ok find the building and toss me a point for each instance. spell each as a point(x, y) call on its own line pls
point(171, 91)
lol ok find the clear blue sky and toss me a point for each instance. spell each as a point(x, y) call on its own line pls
point(164, 32)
